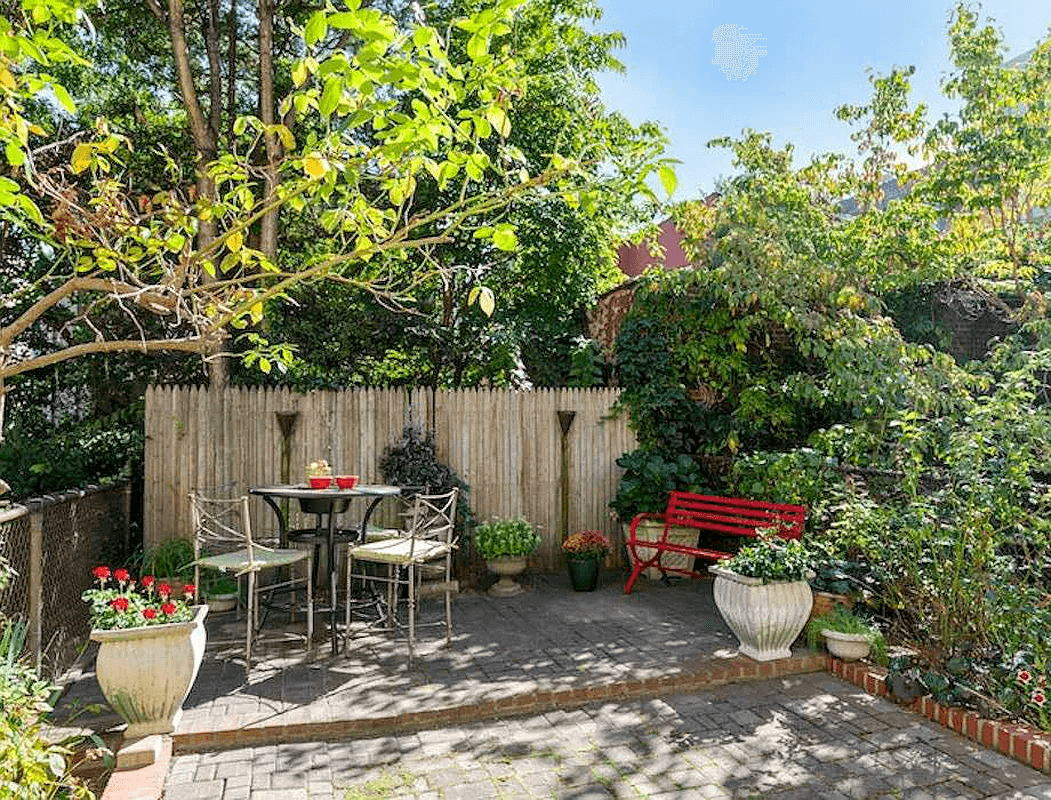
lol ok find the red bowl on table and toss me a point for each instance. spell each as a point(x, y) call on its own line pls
point(346, 481)
point(320, 482)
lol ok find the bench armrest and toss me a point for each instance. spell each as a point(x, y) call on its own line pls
point(632, 536)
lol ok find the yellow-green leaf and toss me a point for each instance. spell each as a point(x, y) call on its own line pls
point(299, 73)
point(668, 178)
point(315, 166)
point(316, 28)
point(504, 237)
point(63, 97)
point(81, 159)
point(234, 241)
point(15, 155)
point(498, 119)
point(331, 96)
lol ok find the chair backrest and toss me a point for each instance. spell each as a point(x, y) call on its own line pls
point(434, 517)
point(221, 525)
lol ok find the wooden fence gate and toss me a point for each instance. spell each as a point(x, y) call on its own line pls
point(521, 453)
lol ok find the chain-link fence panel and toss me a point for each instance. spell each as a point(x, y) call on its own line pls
point(14, 553)
point(79, 531)
point(73, 532)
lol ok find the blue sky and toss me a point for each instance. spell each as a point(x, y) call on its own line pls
point(817, 55)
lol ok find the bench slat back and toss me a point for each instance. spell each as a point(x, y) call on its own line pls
point(734, 515)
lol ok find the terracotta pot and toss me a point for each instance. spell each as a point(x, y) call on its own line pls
point(765, 617)
point(346, 481)
point(320, 481)
point(146, 673)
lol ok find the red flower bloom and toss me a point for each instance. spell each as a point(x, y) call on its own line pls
point(147, 581)
point(164, 590)
point(101, 573)
point(1038, 698)
point(119, 603)
point(168, 609)
point(188, 590)
point(149, 613)
point(121, 575)
point(1023, 677)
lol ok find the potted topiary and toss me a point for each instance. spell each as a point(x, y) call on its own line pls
point(763, 595)
point(506, 544)
point(847, 636)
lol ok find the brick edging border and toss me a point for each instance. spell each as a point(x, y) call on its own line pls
point(538, 701)
point(1031, 746)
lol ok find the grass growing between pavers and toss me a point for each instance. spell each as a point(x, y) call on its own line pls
point(388, 784)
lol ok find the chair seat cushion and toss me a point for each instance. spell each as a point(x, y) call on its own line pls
point(400, 550)
point(238, 561)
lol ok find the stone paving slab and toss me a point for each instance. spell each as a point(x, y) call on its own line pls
point(760, 745)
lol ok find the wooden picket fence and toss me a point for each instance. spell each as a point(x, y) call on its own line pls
point(508, 446)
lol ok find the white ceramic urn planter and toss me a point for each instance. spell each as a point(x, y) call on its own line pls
point(146, 673)
point(765, 617)
point(847, 646)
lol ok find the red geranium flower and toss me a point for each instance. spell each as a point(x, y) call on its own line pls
point(164, 590)
point(119, 603)
point(168, 609)
point(121, 575)
point(149, 613)
point(147, 581)
point(188, 590)
point(101, 573)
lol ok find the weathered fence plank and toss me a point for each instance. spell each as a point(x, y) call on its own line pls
point(506, 445)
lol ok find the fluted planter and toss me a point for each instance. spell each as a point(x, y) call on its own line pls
point(506, 567)
point(146, 673)
point(765, 617)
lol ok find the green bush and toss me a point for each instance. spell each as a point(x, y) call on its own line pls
point(505, 537)
point(31, 766)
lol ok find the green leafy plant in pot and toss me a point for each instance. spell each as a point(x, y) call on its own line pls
point(763, 595)
point(847, 635)
point(506, 544)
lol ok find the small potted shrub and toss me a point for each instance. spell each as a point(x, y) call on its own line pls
point(584, 552)
point(170, 561)
point(847, 636)
point(220, 592)
point(763, 595)
point(506, 544)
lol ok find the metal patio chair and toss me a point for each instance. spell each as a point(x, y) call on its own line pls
point(418, 561)
point(223, 541)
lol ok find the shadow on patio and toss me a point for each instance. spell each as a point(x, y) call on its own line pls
point(548, 648)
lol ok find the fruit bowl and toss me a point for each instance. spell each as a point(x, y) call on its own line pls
point(346, 481)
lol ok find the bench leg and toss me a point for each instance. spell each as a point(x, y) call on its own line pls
point(639, 566)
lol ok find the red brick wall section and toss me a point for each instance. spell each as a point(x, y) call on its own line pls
point(1023, 743)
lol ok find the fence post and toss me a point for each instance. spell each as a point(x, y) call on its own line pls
point(35, 600)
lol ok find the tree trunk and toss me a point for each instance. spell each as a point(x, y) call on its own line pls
point(268, 224)
point(205, 140)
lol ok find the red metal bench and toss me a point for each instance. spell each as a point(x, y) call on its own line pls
point(723, 515)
